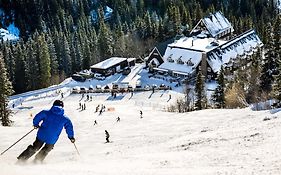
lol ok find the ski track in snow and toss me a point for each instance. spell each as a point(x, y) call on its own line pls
point(228, 141)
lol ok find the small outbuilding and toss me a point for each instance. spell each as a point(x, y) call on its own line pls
point(112, 65)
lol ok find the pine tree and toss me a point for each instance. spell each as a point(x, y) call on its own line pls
point(9, 62)
point(277, 37)
point(218, 96)
point(44, 62)
point(277, 49)
point(94, 47)
point(53, 61)
point(32, 68)
point(200, 92)
point(119, 42)
point(5, 92)
point(253, 91)
point(20, 69)
point(105, 41)
point(65, 57)
point(269, 64)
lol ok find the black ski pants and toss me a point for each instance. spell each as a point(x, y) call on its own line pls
point(32, 149)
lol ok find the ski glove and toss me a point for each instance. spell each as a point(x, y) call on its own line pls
point(36, 127)
point(72, 140)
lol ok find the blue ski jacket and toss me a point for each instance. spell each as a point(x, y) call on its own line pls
point(53, 121)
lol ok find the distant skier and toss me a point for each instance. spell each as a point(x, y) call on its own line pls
point(97, 108)
point(100, 112)
point(118, 119)
point(140, 114)
point(107, 136)
point(53, 121)
point(95, 122)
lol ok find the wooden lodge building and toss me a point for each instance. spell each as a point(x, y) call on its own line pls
point(210, 46)
point(112, 65)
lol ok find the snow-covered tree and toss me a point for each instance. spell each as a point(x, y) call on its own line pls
point(5, 91)
point(218, 96)
point(269, 64)
point(200, 94)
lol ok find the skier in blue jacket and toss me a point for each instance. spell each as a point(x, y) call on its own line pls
point(53, 121)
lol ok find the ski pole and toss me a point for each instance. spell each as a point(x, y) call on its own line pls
point(76, 149)
point(17, 141)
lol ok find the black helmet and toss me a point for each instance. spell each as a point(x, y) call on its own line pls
point(58, 103)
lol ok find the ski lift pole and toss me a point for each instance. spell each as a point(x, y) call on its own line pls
point(76, 149)
point(17, 141)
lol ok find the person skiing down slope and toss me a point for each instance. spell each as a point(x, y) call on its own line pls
point(54, 120)
point(106, 136)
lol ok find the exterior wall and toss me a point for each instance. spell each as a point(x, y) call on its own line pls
point(111, 70)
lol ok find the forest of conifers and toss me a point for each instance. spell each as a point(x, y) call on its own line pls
point(61, 37)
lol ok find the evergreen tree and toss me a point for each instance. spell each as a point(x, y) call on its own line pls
point(20, 70)
point(66, 58)
point(94, 47)
point(269, 64)
point(44, 62)
point(9, 62)
point(277, 38)
point(105, 41)
point(119, 42)
point(87, 60)
point(218, 96)
point(200, 92)
point(5, 92)
point(32, 68)
point(253, 91)
point(54, 65)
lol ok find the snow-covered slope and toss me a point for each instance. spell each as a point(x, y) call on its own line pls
point(161, 143)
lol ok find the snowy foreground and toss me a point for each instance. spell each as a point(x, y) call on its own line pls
point(203, 142)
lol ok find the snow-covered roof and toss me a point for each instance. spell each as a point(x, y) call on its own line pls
point(241, 45)
point(184, 56)
point(217, 23)
point(108, 63)
point(131, 59)
point(196, 44)
point(189, 58)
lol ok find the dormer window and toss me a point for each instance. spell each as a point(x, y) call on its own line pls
point(179, 61)
point(189, 62)
point(169, 59)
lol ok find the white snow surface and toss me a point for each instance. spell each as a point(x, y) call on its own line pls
point(213, 141)
point(6, 35)
point(210, 141)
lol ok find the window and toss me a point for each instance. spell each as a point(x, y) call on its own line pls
point(169, 59)
point(189, 62)
point(179, 61)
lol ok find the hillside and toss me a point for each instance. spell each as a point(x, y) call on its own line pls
point(204, 142)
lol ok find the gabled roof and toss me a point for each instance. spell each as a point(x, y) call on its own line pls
point(215, 24)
